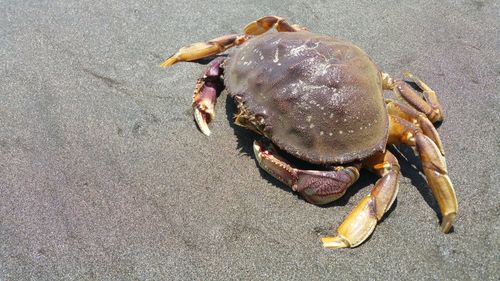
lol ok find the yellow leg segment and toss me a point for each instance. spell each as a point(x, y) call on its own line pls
point(433, 165)
point(263, 24)
point(361, 222)
point(429, 104)
point(201, 50)
point(417, 118)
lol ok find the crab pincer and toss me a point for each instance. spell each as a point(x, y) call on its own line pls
point(208, 87)
point(316, 186)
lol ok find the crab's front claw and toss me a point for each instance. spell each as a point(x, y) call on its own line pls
point(205, 95)
point(323, 187)
point(317, 187)
point(204, 99)
point(204, 111)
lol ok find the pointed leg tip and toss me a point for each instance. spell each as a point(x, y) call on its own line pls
point(441, 149)
point(334, 242)
point(447, 222)
point(168, 62)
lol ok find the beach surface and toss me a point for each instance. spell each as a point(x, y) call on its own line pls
point(105, 176)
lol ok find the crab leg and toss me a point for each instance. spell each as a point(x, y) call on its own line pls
point(430, 106)
point(317, 187)
point(201, 50)
point(418, 118)
point(433, 165)
point(265, 23)
point(205, 94)
point(361, 222)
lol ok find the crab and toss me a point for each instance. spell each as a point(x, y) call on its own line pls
point(320, 99)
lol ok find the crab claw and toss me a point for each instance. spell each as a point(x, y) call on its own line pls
point(202, 118)
point(205, 96)
point(315, 186)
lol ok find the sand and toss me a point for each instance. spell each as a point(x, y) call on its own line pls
point(104, 175)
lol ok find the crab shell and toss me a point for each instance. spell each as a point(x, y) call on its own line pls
point(316, 97)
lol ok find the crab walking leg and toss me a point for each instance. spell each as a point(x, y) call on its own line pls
point(361, 222)
point(433, 165)
point(201, 50)
point(265, 23)
point(430, 106)
point(317, 187)
point(205, 95)
point(416, 117)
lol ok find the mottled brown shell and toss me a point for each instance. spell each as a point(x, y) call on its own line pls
point(317, 97)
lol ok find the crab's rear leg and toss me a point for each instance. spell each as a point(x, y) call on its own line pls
point(361, 222)
point(433, 165)
point(265, 23)
point(317, 187)
point(429, 105)
point(201, 50)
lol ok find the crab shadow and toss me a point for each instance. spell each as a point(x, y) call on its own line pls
point(408, 161)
